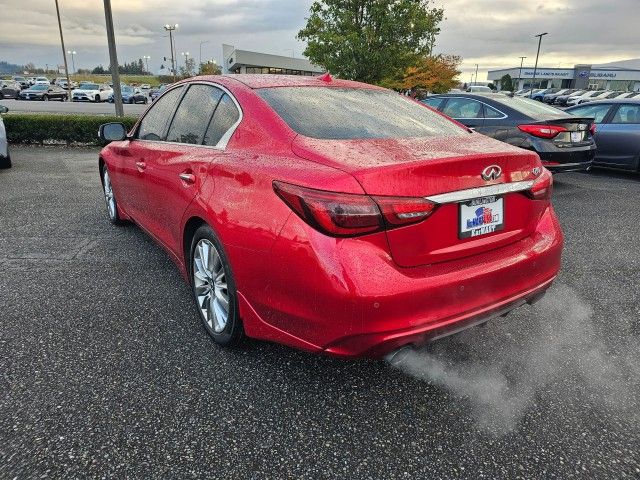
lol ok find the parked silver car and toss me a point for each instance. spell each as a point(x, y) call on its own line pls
point(5, 159)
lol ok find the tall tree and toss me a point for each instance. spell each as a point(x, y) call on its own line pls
point(369, 40)
point(433, 73)
point(506, 83)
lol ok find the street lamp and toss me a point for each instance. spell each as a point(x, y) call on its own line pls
point(520, 72)
point(535, 68)
point(66, 68)
point(200, 57)
point(146, 60)
point(186, 61)
point(476, 73)
point(171, 29)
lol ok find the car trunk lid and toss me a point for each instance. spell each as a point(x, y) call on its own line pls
point(448, 171)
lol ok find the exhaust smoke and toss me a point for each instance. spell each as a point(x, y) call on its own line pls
point(551, 348)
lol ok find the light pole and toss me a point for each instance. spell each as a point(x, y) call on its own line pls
point(73, 60)
point(535, 68)
point(200, 57)
point(171, 29)
point(113, 59)
point(186, 61)
point(476, 73)
point(520, 73)
point(66, 67)
point(146, 61)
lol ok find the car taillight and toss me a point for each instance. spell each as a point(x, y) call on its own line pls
point(593, 128)
point(542, 187)
point(349, 215)
point(542, 131)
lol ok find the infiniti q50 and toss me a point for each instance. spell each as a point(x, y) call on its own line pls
point(330, 215)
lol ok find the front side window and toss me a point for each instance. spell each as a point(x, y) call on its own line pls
point(192, 117)
point(627, 114)
point(355, 113)
point(225, 117)
point(154, 123)
point(434, 102)
point(463, 108)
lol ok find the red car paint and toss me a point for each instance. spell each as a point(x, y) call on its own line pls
point(348, 296)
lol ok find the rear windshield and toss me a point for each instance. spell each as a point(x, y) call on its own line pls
point(350, 113)
point(528, 106)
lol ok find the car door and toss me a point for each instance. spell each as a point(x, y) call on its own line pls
point(132, 162)
point(180, 167)
point(465, 110)
point(618, 138)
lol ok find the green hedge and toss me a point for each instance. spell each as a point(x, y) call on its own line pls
point(40, 128)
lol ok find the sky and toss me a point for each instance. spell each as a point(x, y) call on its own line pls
point(491, 33)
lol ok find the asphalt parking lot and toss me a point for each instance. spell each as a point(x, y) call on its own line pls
point(86, 108)
point(107, 372)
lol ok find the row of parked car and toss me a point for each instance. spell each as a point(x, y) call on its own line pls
point(573, 96)
point(604, 132)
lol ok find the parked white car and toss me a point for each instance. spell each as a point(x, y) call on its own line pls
point(42, 81)
point(91, 92)
point(5, 159)
point(577, 99)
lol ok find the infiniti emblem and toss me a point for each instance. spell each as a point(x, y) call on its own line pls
point(492, 172)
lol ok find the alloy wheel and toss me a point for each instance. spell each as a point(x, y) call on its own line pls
point(108, 195)
point(210, 285)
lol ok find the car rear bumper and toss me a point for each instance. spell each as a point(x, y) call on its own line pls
point(568, 161)
point(347, 297)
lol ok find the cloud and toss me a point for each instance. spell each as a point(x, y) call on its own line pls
point(492, 33)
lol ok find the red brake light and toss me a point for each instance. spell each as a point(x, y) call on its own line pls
point(542, 131)
point(593, 128)
point(542, 187)
point(348, 215)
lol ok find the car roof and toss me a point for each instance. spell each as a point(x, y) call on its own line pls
point(612, 100)
point(256, 80)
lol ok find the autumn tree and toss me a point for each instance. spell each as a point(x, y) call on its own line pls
point(433, 73)
point(209, 68)
point(370, 40)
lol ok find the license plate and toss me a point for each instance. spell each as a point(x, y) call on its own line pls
point(577, 136)
point(481, 216)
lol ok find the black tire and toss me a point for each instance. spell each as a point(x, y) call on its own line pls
point(233, 331)
point(5, 162)
point(97, 99)
point(45, 98)
point(144, 102)
point(114, 216)
point(131, 101)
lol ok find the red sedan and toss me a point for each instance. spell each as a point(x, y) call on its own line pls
point(330, 215)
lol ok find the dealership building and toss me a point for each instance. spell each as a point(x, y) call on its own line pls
point(623, 75)
point(244, 61)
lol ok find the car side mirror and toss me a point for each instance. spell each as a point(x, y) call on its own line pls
point(112, 132)
point(3, 109)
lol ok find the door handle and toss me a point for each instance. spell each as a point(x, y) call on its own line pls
point(187, 177)
point(141, 166)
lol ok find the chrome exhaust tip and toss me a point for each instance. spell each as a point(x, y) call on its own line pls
point(399, 356)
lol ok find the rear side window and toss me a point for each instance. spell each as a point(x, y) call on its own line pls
point(598, 112)
point(154, 123)
point(355, 113)
point(627, 114)
point(492, 112)
point(463, 108)
point(225, 117)
point(194, 112)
